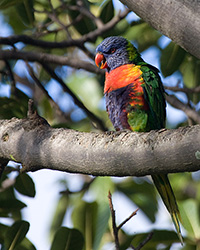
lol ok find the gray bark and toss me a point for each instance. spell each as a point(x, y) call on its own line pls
point(36, 145)
point(177, 19)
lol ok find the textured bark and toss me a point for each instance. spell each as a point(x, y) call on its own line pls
point(36, 145)
point(177, 19)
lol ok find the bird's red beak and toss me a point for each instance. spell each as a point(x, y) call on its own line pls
point(100, 61)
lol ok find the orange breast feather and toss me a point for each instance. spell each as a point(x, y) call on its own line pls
point(122, 77)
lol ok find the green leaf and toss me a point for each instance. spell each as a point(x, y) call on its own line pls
point(107, 11)
point(86, 24)
point(189, 210)
point(9, 205)
point(189, 247)
point(25, 245)
point(84, 217)
point(143, 34)
point(143, 194)
point(14, 107)
point(59, 214)
point(25, 12)
point(13, 20)
point(8, 3)
point(68, 239)
point(159, 237)
point(25, 185)
point(171, 58)
point(15, 234)
point(191, 75)
point(103, 216)
point(88, 90)
point(3, 229)
point(100, 188)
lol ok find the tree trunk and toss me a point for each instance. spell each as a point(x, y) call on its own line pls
point(177, 19)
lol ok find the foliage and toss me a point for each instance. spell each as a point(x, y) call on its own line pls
point(72, 29)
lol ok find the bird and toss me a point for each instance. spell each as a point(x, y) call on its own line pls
point(135, 100)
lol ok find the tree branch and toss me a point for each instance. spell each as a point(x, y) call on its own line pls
point(45, 58)
point(184, 89)
point(176, 103)
point(114, 225)
point(38, 146)
point(163, 15)
point(144, 242)
point(91, 36)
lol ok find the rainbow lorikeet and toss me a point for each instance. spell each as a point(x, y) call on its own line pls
point(135, 100)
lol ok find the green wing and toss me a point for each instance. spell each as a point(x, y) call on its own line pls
point(154, 96)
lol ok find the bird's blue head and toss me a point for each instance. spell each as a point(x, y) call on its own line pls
point(115, 51)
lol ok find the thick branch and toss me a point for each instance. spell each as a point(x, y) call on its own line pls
point(38, 146)
point(177, 19)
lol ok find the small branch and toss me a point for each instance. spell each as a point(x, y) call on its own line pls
point(184, 89)
point(176, 103)
point(44, 58)
point(36, 122)
point(144, 242)
point(13, 83)
point(127, 219)
point(91, 36)
point(84, 188)
point(114, 226)
point(79, 7)
point(54, 18)
point(31, 111)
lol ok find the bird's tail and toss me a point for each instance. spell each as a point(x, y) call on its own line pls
point(165, 190)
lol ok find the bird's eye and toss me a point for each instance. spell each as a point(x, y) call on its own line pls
point(112, 50)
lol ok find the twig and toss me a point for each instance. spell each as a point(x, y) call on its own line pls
point(31, 110)
point(91, 36)
point(84, 188)
point(115, 229)
point(114, 226)
point(94, 118)
point(86, 12)
point(144, 242)
point(184, 89)
point(13, 83)
point(36, 120)
point(45, 58)
point(127, 219)
point(54, 17)
point(176, 103)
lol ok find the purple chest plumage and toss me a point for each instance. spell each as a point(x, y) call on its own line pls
point(117, 102)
